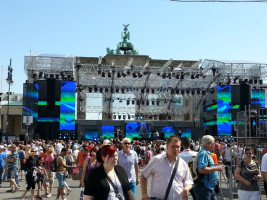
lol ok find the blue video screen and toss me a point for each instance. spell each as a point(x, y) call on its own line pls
point(91, 135)
point(168, 131)
point(138, 130)
point(107, 132)
point(186, 133)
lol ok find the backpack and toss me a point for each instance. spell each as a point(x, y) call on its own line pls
point(53, 166)
point(193, 168)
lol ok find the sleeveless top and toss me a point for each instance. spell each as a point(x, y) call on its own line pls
point(89, 168)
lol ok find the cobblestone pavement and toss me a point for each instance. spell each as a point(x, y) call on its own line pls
point(75, 194)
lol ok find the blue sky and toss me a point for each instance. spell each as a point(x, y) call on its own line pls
point(162, 29)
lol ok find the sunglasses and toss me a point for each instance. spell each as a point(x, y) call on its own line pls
point(249, 153)
point(126, 143)
point(34, 151)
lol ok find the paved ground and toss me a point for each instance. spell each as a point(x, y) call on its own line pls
point(75, 194)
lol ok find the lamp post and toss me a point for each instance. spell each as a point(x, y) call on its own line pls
point(9, 81)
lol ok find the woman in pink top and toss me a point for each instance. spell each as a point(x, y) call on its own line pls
point(48, 181)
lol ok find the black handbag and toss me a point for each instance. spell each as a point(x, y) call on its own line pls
point(170, 182)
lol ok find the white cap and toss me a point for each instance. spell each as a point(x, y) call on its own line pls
point(106, 142)
point(2, 146)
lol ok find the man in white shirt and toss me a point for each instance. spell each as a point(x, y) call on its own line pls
point(128, 159)
point(186, 155)
point(264, 171)
point(160, 168)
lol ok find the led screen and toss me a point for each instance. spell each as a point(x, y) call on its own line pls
point(91, 135)
point(224, 117)
point(168, 131)
point(67, 105)
point(186, 133)
point(258, 98)
point(107, 132)
point(138, 130)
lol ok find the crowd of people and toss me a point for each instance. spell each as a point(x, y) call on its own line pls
point(110, 169)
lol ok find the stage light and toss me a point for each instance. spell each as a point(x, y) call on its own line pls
point(157, 102)
point(153, 91)
point(106, 90)
point(152, 102)
point(203, 92)
point(51, 76)
point(138, 103)
point(41, 75)
point(182, 92)
point(164, 75)
point(128, 102)
point(103, 74)
point(134, 75)
point(197, 76)
point(143, 102)
point(109, 74)
point(100, 90)
point(118, 75)
point(95, 89)
point(122, 90)
point(133, 102)
point(213, 69)
point(147, 90)
point(57, 76)
point(142, 91)
point(117, 90)
point(260, 81)
point(90, 90)
point(158, 73)
point(123, 74)
point(139, 75)
point(255, 81)
point(172, 91)
point(147, 103)
point(177, 91)
point(177, 76)
point(192, 76)
point(99, 71)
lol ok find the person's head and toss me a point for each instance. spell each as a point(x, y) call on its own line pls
point(85, 151)
point(185, 142)
point(249, 151)
point(40, 160)
point(64, 151)
point(12, 147)
point(173, 145)
point(33, 152)
point(109, 155)
point(2, 148)
point(126, 143)
point(93, 152)
point(49, 149)
point(208, 142)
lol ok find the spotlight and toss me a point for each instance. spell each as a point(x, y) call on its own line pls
point(100, 90)
point(118, 75)
point(122, 90)
point(153, 91)
point(57, 76)
point(134, 75)
point(177, 91)
point(182, 92)
point(133, 102)
point(142, 90)
point(157, 102)
point(90, 90)
point(192, 76)
point(106, 90)
point(95, 89)
point(172, 91)
point(143, 102)
point(255, 81)
point(158, 74)
point(103, 74)
point(203, 92)
point(128, 72)
point(164, 75)
point(45, 76)
point(117, 90)
point(52, 76)
point(138, 103)
point(152, 102)
point(109, 74)
point(41, 75)
point(139, 75)
point(128, 102)
point(147, 103)
point(147, 90)
point(260, 81)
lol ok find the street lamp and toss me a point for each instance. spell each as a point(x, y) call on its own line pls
point(9, 81)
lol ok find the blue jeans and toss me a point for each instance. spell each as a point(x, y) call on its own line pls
point(61, 180)
point(17, 176)
point(133, 188)
point(204, 193)
point(1, 173)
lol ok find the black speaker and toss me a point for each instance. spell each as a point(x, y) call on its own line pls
point(51, 93)
point(245, 95)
